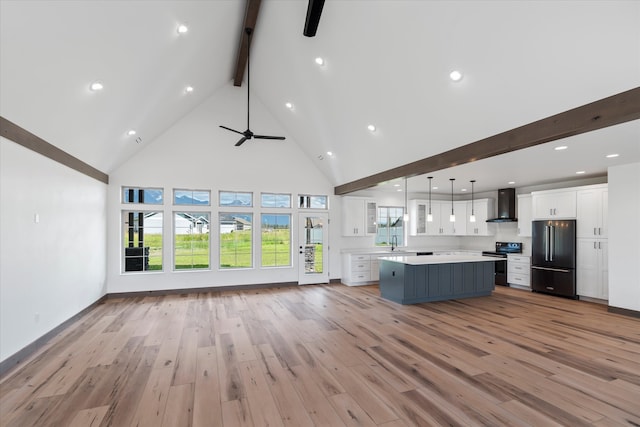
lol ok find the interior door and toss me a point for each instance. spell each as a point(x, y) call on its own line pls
point(313, 245)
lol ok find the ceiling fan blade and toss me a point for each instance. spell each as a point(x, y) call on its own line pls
point(242, 140)
point(232, 130)
point(268, 137)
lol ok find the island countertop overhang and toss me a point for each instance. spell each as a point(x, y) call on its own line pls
point(439, 259)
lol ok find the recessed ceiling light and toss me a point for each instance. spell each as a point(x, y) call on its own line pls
point(455, 75)
point(131, 132)
point(330, 153)
point(511, 182)
point(399, 189)
point(580, 172)
point(182, 28)
point(188, 89)
point(96, 86)
point(319, 61)
point(289, 105)
point(560, 148)
point(611, 156)
point(372, 128)
point(435, 188)
point(463, 189)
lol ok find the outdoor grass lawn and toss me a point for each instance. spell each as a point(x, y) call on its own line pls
point(192, 251)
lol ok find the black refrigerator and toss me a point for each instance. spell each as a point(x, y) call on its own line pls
point(553, 257)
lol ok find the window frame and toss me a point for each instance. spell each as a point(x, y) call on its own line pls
point(275, 195)
point(252, 247)
point(158, 250)
point(220, 198)
point(174, 248)
point(125, 189)
point(387, 228)
point(192, 198)
point(305, 201)
point(290, 252)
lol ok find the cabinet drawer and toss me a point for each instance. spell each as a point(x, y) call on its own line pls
point(360, 276)
point(519, 259)
point(519, 279)
point(358, 258)
point(360, 266)
point(518, 268)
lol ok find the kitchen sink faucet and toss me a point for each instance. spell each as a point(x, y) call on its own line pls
point(394, 242)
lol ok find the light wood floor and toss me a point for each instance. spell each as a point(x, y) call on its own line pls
point(333, 356)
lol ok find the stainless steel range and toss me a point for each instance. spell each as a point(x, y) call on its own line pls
point(502, 249)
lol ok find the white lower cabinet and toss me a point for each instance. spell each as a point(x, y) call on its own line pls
point(519, 270)
point(356, 269)
point(592, 272)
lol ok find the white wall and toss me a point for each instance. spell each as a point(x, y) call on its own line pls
point(624, 236)
point(196, 153)
point(53, 269)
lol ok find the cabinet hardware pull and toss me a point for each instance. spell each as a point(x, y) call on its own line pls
point(594, 231)
point(594, 245)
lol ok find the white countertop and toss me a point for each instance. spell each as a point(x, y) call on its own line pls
point(440, 259)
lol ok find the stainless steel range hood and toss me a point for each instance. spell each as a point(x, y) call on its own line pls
point(506, 206)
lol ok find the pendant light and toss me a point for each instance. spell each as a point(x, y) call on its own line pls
point(452, 217)
point(405, 217)
point(429, 216)
point(472, 218)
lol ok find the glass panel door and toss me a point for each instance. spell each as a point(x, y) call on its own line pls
point(313, 258)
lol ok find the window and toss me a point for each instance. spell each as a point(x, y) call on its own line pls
point(191, 240)
point(148, 196)
point(230, 198)
point(390, 226)
point(142, 241)
point(276, 240)
point(312, 202)
point(271, 200)
point(192, 197)
point(236, 240)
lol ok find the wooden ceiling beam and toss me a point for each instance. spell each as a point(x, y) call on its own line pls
point(250, 19)
point(610, 111)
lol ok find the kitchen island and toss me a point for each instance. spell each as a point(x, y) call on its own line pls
point(416, 279)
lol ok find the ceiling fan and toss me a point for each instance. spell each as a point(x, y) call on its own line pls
point(248, 134)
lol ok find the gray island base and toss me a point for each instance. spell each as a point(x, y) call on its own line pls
point(416, 279)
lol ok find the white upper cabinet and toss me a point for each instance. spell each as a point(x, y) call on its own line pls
point(418, 210)
point(554, 204)
point(358, 217)
point(483, 210)
point(524, 215)
point(592, 209)
point(441, 225)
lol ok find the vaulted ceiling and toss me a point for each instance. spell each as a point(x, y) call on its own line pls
point(387, 63)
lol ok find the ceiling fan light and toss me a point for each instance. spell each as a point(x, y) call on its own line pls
point(96, 86)
point(319, 60)
point(289, 105)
